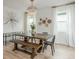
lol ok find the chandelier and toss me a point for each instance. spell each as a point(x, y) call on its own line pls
point(32, 9)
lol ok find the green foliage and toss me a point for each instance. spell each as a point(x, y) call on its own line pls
point(32, 26)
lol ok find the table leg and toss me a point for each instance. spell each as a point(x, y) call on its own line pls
point(5, 40)
point(25, 40)
point(12, 37)
point(40, 47)
point(40, 42)
point(15, 46)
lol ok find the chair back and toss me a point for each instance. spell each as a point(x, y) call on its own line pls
point(53, 39)
point(45, 33)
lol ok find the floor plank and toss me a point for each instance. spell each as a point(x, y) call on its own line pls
point(61, 52)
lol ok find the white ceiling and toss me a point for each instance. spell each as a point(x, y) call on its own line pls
point(23, 4)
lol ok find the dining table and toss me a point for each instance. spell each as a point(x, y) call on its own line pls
point(26, 37)
point(38, 36)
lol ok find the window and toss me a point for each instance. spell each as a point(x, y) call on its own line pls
point(61, 16)
point(61, 21)
point(30, 20)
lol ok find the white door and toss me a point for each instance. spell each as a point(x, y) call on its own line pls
point(61, 27)
point(64, 25)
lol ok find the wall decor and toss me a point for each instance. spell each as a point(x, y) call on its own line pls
point(45, 21)
point(40, 19)
point(11, 19)
point(49, 21)
point(40, 23)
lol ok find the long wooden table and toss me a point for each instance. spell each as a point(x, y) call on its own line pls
point(38, 36)
point(35, 47)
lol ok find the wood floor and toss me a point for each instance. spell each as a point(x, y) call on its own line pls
point(61, 52)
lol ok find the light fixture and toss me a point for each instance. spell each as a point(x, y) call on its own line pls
point(32, 9)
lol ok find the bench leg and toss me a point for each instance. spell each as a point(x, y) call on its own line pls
point(15, 47)
point(33, 53)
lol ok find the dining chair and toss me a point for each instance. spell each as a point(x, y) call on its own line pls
point(50, 43)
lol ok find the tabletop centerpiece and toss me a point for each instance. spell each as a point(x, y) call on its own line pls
point(32, 29)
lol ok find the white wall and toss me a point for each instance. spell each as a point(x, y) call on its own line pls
point(43, 13)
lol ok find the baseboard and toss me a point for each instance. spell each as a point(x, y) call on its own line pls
point(64, 45)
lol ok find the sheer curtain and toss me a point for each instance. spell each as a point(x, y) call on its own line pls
point(64, 24)
point(71, 23)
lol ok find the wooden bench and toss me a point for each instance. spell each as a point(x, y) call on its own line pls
point(35, 47)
